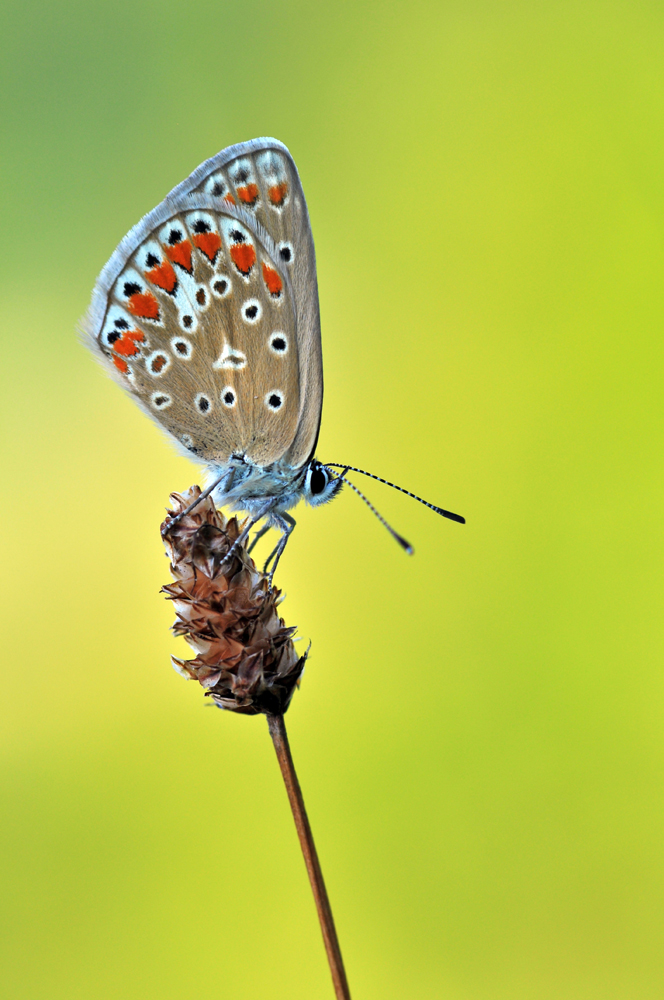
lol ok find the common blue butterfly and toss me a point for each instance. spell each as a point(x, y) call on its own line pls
point(207, 315)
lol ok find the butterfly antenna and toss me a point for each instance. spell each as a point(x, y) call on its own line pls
point(402, 541)
point(431, 506)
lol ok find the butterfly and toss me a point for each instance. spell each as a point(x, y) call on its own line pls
point(207, 315)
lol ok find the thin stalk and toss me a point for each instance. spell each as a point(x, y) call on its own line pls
point(280, 740)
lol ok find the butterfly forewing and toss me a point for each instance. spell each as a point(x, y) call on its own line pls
point(208, 310)
point(261, 177)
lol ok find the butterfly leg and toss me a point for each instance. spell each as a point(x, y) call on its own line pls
point(259, 534)
point(225, 479)
point(271, 556)
point(242, 537)
point(286, 523)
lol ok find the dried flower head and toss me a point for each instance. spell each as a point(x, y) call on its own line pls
point(245, 658)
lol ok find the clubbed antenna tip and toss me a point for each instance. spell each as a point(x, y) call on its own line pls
point(399, 538)
point(351, 468)
point(448, 513)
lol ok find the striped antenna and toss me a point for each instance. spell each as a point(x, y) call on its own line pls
point(402, 541)
point(431, 506)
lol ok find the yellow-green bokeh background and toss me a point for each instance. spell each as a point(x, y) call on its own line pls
point(479, 732)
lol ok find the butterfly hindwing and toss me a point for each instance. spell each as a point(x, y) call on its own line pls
point(199, 326)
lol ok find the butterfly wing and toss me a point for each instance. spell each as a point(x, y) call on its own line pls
point(207, 312)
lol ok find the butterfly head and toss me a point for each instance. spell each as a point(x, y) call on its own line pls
point(320, 485)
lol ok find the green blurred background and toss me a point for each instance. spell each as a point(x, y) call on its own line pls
point(479, 732)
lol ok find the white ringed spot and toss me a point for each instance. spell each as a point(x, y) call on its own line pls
point(252, 311)
point(203, 403)
point(221, 286)
point(274, 400)
point(286, 251)
point(181, 348)
point(188, 322)
point(160, 400)
point(216, 185)
point(279, 343)
point(157, 363)
point(228, 396)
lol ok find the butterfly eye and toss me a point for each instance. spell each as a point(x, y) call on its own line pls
point(318, 481)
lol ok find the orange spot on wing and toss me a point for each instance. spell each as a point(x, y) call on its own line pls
point(135, 334)
point(126, 345)
point(181, 254)
point(230, 199)
point(143, 304)
point(121, 365)
point(277, 193)
point(208, 243)
point(163, 276)
point(158, 363)
point(243, 256)
point(272, 280)
point(248, 194)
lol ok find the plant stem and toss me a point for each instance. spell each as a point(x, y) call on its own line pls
point(280, 740)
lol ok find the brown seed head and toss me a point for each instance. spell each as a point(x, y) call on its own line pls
point(245, 658)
